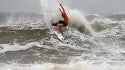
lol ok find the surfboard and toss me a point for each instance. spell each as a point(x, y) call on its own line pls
point(58, 34)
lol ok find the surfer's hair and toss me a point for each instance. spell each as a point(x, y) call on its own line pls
point(54, 24)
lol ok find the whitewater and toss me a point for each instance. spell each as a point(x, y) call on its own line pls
point(92, 41)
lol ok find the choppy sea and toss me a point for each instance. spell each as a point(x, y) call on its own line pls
point(92, 42)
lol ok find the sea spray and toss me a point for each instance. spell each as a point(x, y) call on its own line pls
point(49, 11)
point(78, 21)
point(76, 18)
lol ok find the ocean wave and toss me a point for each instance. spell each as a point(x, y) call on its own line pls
point(51, 66)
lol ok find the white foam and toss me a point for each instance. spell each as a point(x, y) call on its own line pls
point(78, 19)
point(72, 66)
point(17, 46)
point(104, 20)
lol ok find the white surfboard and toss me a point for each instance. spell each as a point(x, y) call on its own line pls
point(59, 35)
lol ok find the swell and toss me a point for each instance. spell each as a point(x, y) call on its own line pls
point(22, 36)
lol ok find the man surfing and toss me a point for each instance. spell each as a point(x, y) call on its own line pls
point(61, 23)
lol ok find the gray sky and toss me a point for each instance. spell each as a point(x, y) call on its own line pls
point(19, 5)
point(96, 6)
point(117, 6)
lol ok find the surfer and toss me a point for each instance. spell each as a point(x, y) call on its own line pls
point(61, 23)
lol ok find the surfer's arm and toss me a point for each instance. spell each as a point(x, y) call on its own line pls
point(64, 15)
point(62, 8)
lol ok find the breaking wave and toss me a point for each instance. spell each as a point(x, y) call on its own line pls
point(92, 41)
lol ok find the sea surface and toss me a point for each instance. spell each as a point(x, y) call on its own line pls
point(92, 41)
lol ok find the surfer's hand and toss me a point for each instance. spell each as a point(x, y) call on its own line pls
point(60, 4)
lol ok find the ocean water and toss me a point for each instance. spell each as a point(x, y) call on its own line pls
point(92, 41)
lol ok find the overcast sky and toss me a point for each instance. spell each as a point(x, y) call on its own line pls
point(99, 6)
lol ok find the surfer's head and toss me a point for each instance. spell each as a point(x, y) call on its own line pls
point(54, 24)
